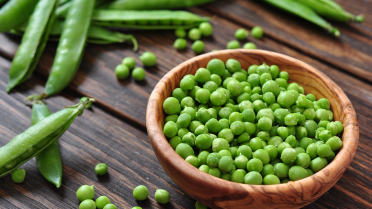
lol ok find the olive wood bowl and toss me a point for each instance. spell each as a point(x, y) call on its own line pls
point(218, 193)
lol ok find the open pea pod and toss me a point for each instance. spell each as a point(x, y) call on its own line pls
point(157, 19)
point(331, 10)
point(35, 139)
point(33, 42)
point(297, 8)
point(15, 12)
point(152, 4)
point(96, 34)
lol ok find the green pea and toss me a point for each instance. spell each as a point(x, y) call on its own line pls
point(170, 129)
point(291, 140)
point(318, 164)
point(195, 34)
point(233, 65)
point(198, 46)
point(101, 169)
point(180, 43)
point(201, 130)
point(122, 72)
point(112, 206)
point(85, 192)
point(225, 163)
point(335, 143)
point(162, 196)
point(254, 165)
point(184, 150)
point(18, 175)
point(237, 177)
point(281, 170)
point(102, 201)
point(194, 161)
point(340, 126)
point(324, 150)
point(275, 140)
point(206, 29)
point(215, 172)
point(129, 62)
point(271, 180)
point(241, 34)
point(140, 193)
point(202, 96)
point(234, 44)
point(213, 160)
point(199, 205)
point(219, 144)
point(171, 106)
point(87, 204)
point(288, 155)
point(180, 33)
point(257, 32)
point(148, 59)
point(216, 78)
point(297, 172)
point(252, 69)
point(249, 45)
point(203, 141)
point(204, 168)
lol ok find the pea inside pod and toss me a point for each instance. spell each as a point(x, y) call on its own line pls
point(159, 19)
point(45, 131)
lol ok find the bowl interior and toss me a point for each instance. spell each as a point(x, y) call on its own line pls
point(218, 193)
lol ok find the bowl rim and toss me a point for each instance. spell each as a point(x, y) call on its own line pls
point(158, 141)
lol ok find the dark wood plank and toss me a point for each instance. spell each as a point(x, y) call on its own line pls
point(351, 52)
point(93, 138)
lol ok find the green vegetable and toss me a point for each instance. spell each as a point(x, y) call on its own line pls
point(85, 192)
point(162, 196)
point(198, 46)
point(148, 59)
point(140, 193)
point(331, 10)
point(159, 19)
point(199, 205)
point(49, 160)
point(18, 176)
point(15, 12)
point(122, 72)
point(102, 201)
point(112, 206)
point(195, 34)
point(33, 42)
point(180, 43)
point(257, 32)
point(139, 74)
point(20, 149)
point(71, 46)
point(297, 8)
point(234, 44)
point(129, 62)
point(101, 169)
point(206, 29)
point(150, 5)
point(249, 45)
point(87, 204)
point(241, 34)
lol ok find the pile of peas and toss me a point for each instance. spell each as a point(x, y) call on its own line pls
point(250, 127)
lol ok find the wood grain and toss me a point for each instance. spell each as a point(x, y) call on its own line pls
point(217, 193)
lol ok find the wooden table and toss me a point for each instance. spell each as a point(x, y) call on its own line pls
point(114, 131)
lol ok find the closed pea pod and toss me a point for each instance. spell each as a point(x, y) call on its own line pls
point(33, 42)
point(150, 5)
point(163, 19)
point(61, 11)
point(331, 10)
point(49, 160)
point(304, 12)
point(71, 46)
point(15, 12)
point(32, 141)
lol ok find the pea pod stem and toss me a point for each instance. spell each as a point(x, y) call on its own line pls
point(96, 34)
point(159, 19)
point(15, 12)
point(331, 10)
point(35, 139)
point(71, 46)
point(33, 42)
point(49, 160)
point(152, 4)
point(303, 11)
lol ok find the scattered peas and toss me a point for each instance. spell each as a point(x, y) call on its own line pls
point(241, 34)
point(162, 196)
point(122, 72)
point(18, 176)
point(129, 62)
point(195, 34)
point(101, 169)
point(102, 201)
point(148, 59)
point(249, 45)
point(140, 193)
point(85, 192)
point(139, 74)
point(198, 47)
point(87, 204)
point(180, 33)
point(257, 32)
point(180, 43)
point(250, 127)
point(234, 44)
point(206, 29)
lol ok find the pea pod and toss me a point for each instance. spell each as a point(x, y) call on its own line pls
point(96, 34)
point(159, 19)
point(49, 160)
point(38, 137)
point(15, 12)
point(61, 2)
point(71, 46)
point(62, 10)
point(303, 11)
point(33, 42)
point(3, 1)
point(331, 10)
point(152, 4)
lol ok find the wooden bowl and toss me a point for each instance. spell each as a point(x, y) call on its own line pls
point(218, 193)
